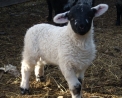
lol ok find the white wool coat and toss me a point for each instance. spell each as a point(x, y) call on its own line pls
point(59, 46)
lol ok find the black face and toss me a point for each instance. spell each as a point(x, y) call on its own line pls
point(80, 17)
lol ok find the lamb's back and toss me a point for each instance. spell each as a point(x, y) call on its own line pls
point(44, 41)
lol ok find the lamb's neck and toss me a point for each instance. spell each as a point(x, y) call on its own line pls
point(81, 40)
point(76, 36)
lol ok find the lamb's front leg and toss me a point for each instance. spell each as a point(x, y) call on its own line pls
point(80, 75)
point(73, 82)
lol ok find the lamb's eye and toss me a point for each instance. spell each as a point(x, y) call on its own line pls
point(87, 20)
point(75, 22)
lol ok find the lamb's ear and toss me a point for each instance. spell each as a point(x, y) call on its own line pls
point(100, 9)
point(61, 18)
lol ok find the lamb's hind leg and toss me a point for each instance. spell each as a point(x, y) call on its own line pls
point(39, 70)
point(26, 69)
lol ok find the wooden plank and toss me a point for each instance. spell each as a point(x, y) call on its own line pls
point(10, 2)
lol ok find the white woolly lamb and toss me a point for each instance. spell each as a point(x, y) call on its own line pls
point(71, 47)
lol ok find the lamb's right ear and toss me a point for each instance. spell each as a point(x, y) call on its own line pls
point(61, 18)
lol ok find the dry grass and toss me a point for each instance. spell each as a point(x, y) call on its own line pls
point(103, 79)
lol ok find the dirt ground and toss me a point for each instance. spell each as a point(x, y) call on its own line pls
point(102, 80)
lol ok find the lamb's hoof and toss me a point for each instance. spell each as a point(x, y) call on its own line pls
point(40, 79)
point(24, 91)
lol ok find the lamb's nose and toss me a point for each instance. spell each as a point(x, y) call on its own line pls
point(82, 27)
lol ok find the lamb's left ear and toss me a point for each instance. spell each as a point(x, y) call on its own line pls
point(61, 18)
point(100, 9)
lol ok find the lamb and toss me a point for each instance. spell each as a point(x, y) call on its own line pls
point(60, 6)
point(119, 11)
point(71, 47)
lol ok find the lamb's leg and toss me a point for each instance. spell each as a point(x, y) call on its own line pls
point(80, 76)
point(73, 82)
point(26, 70)
point(39, 71)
